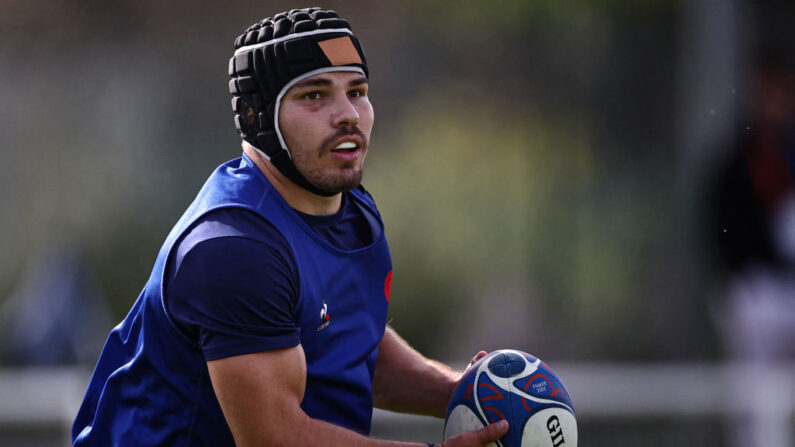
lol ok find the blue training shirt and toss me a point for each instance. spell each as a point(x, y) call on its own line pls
point(232, 283)
point(151, 385)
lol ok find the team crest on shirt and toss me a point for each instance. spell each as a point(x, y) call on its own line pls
point(325, 318)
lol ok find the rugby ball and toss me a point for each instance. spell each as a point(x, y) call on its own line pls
point(513, 385)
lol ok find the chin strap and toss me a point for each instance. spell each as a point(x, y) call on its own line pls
point(268, 145)
point(285, 165)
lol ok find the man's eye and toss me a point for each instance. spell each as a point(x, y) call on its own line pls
point(356, 93)
point(312, 95)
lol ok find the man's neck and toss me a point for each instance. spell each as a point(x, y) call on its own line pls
point(295, 196)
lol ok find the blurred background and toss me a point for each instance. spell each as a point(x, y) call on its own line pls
point(606, 184)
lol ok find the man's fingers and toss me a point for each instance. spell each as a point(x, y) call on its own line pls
point(492, 432)
point(477, 357)
point(478, 438)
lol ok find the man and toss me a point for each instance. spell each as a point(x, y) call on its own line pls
point(263, 321)
point(753, 227)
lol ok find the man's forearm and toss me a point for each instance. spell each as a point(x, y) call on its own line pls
point(407, 382)
point(318, 432)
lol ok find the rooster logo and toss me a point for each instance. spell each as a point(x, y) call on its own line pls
point(325, 318)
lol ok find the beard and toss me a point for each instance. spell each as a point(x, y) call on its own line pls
point(339, 180)
point(332, 180)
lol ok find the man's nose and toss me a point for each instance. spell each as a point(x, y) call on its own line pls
point(345, 114)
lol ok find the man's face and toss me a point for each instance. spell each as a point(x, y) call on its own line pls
point(326, 121)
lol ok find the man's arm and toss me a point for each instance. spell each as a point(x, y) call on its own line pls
point(407, 382)
point(260, 395)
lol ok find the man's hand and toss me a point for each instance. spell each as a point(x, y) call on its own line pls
point(478, 438)
point(485, 435)
point(477, 357)
point(474, 360)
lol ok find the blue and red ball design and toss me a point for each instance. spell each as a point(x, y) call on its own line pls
point(514, 385)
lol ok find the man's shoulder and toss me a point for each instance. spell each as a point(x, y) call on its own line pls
point(232, 221)
point(231, 224)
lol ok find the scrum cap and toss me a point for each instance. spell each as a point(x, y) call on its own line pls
point(271, 56)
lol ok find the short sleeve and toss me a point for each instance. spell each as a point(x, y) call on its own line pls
point(233, 293)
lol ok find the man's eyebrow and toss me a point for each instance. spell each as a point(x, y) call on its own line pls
point(316, 82)
point(325, 82)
